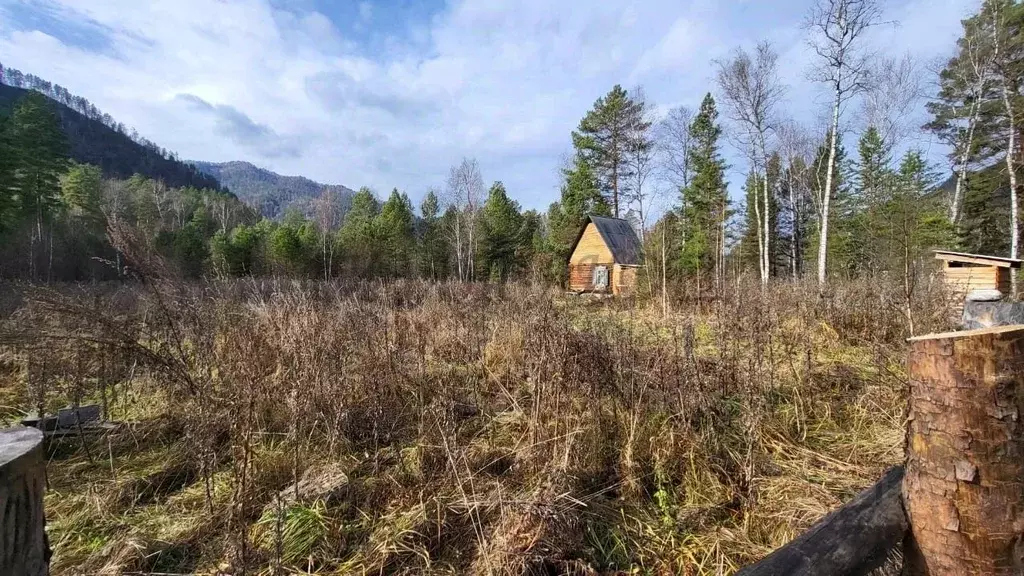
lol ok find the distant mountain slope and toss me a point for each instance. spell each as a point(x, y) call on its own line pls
point(271, 193)
point(117, 154)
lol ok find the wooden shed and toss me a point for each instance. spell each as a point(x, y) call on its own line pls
point(605, 257)
point(965, 273)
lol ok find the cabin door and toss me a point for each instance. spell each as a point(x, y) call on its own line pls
point(600, 277)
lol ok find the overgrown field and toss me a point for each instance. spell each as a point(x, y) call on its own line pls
point(417, 428)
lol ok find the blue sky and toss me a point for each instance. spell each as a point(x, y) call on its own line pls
point(391, 93)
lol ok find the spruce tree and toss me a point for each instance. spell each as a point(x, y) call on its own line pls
point(358, 235)
point(863, 212)
point(394, 227)
point(433, 250)
point(502, 235)
point(580, 197)
point(7, 204)
point(704, 201)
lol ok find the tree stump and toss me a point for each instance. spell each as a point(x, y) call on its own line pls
point(23, 546)
point(963, 487)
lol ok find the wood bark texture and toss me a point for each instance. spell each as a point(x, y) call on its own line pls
point(23, 546)
point(964, 482)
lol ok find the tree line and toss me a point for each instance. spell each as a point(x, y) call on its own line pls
point(55, 215)
point(810, 206)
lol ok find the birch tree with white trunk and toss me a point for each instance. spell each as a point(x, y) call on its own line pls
point(752, 90)
point(837, 30)
point(1006, 68)
point(465, 191)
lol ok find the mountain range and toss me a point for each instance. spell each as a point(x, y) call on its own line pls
point(91, 141)
point(271, 193)
point(98, 139)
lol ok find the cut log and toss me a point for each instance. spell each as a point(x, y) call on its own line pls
point(851, 541)
point(23, 546)
point(964, 482)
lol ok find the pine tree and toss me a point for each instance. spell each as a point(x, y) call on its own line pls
point(80, 191)
point(603, 138)
point(39, 158)
point(965, 102)
point(705, 201)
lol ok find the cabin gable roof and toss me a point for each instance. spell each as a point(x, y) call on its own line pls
point(982, 259)
point(619, 236)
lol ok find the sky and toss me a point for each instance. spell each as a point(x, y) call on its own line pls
point(392, 93)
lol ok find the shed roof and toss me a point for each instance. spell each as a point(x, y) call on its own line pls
point(620, 238)
point(977, 259)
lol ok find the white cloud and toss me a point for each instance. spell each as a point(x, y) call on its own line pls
point(502, 81)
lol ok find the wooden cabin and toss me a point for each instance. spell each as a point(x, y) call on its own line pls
point(965, 273)
point(605, 257)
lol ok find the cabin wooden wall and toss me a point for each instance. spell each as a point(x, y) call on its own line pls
point(590, 252)
point(625, 280)
point(591, 248)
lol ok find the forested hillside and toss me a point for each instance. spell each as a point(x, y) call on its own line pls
point(270, 193)
point(93, 137)
point(55, 212)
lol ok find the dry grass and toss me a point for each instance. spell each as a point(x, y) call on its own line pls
point(415, 428)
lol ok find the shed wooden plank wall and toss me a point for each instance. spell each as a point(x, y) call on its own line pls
point(969, 278)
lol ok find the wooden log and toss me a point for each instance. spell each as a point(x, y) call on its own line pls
point(23, 545)
point(851, 541)
point(964, 482)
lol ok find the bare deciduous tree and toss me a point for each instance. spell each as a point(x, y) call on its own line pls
point(640, 158)
point(674, 145)
point(838, 28)
point(328, 218)
point(752, 90)
point(892, 95)
point(465, 190)
point(797, 152)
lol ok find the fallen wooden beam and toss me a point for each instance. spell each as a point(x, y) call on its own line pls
point(851, 541)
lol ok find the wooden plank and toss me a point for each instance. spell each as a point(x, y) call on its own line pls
point(853, 540)
point(986, 272)
point(977, 259)
point(591, 249)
